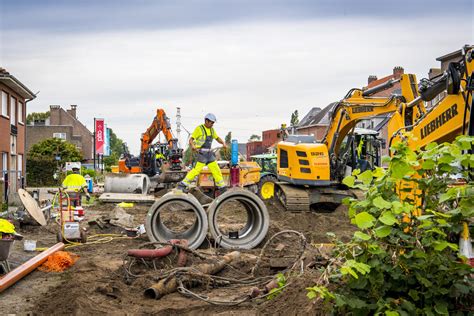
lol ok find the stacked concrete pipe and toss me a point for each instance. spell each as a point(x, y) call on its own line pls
point(254, 230)
point(127, 183)
point(158, 232)
point(248, 237)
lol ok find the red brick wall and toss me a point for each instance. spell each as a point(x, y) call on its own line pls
point(254, 148)
point(269, 138)
point(5, 128)
point(317, 131)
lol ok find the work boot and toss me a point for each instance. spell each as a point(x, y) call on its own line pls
point(183, 187)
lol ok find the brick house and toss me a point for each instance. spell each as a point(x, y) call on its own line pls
point(62, 124)
point(254, 148)
point(13, 98)
point(269, 138)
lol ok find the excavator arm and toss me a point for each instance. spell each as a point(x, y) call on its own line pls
point(450, 117)
point(358, 105)
point(160, 123)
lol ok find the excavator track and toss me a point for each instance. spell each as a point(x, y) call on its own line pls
point(293, 198)
point(305, 199)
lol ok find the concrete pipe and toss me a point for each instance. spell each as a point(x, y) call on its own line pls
point(127, 183)
point(177, 215)
point(252, 232)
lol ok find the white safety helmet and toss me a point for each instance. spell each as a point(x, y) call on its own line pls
point(210, 117)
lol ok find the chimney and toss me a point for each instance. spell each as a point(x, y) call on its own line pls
point(398, 72)
point(72, 111)
point(372, 78)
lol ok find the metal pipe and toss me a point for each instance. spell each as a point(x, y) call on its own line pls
point(414, 102)
point(380, 87)
point(46, 208)
point(23, 270)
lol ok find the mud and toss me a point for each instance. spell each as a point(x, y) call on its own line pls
point(96, 283)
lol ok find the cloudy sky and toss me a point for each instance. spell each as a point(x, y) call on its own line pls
point(250, 62)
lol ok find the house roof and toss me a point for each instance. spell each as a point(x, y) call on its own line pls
point(450, 56)
point(317, 116)
point(15, 84)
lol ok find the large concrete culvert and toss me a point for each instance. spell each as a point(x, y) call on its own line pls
point(177, 215)
point(127, 183)
point(253, 228)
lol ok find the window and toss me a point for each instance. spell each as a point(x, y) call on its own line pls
point(4, 164)
point(12, 111)
point(20, 112)
point(4, 102)
point(20, 165)
point(59, 135)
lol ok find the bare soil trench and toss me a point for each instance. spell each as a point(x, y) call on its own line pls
point(96, 283)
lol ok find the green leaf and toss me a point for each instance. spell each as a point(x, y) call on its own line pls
point(378, 172)
point(400, 169)
point(391, 313)
point(364, 220)
point(349, 181)
point(366, 177)
point(348, 270)
point(441, 308)
point(414, 295)
point(440, 246)
point(381, 203)
point(383, 231)
point(431, 146)
point(361, 235)
point(388, 218)
point(428, 164)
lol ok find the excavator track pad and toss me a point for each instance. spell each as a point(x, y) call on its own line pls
point(317, 199)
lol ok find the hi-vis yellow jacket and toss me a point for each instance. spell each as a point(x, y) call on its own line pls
point(74, 182)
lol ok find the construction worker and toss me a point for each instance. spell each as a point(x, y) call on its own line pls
point(200, 142)
point(74, 184)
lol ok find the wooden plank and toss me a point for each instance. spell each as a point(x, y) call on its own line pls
point(126, 197)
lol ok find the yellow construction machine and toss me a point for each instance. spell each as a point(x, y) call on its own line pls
point(311, 173)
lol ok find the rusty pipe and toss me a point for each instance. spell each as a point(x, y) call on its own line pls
point(182, 257)
point(170, 284)
point(160, 252)
point(23, 270)
point(150, 253)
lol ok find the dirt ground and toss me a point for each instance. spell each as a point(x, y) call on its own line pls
point(96, 284)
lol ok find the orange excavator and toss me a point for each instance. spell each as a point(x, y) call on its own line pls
point(162, 159)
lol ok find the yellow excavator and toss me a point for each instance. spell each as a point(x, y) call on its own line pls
point(311, 173)
point(450, 117)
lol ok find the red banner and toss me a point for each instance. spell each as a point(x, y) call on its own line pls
point(99, 136)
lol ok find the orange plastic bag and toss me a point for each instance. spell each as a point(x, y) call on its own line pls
point(59, 261)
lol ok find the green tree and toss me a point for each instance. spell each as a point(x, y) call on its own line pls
point(225, 153)
point(294, 118)
point(54, 147)
point(31, 117)
point(254, 137)
point(404, 259)
point(45, 158)
point(116, 150)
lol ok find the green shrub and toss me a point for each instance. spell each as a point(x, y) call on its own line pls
point(399, 264)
